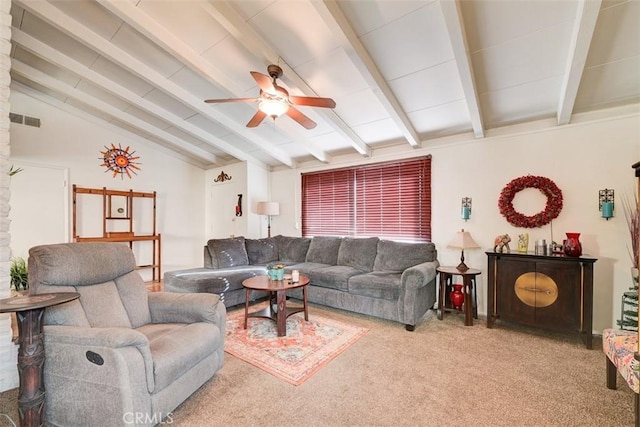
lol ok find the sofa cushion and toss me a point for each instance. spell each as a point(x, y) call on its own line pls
point(292, 249)
point(261, 251)
point(324, 250)
point(398, 256)
point(333, 277)
point(377, 284)
point(229, 252)
point(358, 253)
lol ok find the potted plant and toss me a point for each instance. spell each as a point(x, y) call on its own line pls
point(19, 275)
point(629, 315)
point(632, 215)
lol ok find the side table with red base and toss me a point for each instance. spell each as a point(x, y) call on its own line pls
point(29, 311)
point(470, 305)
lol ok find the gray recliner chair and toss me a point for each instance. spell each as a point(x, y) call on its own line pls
point(120, 355)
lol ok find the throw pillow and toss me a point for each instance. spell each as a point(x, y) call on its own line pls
point(229, 252)
point(324, 250)
point(261, 251)
point(358, 253)
point(398, 256)
point(292, 249)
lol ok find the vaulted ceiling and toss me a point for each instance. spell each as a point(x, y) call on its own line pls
point(400, 72)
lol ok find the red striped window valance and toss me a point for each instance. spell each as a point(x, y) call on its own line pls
point(389, 200)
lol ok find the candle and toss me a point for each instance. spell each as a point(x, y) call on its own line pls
point(295, 276)
point(607, 210)
point(466, 212)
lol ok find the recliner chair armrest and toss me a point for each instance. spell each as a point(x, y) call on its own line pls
point(102, 338)
point(170, 307)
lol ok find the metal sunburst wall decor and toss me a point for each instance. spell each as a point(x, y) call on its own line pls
point(120, 161)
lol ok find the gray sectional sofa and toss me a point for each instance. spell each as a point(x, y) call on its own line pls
point(381, 278)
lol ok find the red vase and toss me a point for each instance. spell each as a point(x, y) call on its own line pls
point(456, 296)
point(572, 246)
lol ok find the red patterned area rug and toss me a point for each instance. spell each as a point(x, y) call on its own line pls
point(307, 347)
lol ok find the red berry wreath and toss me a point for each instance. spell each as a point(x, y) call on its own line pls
point(550, 212)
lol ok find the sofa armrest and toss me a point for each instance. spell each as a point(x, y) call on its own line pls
point(103, 341)
point(170, 307)
point(419, 275)
point(417, 292)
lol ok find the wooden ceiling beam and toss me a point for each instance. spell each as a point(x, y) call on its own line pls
point(455, 27)
point(147, 26)
point(55, 17)
point(583, 28)
point(332, 15)
point(56, 85)
point(226, 16)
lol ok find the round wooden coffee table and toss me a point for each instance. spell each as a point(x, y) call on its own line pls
point(278, 297)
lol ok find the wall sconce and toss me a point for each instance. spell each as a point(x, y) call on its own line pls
point(466, 208)
point(606, 203)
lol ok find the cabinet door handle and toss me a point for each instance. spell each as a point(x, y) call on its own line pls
point(546, 291)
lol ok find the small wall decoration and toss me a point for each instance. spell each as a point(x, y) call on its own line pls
point(222, 177)
point(239, 206)
point(548, 188)
point(120, 161)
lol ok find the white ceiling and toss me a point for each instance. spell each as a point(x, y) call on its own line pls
point(401, 72)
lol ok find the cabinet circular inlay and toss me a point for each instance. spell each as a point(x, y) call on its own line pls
point(536, 289)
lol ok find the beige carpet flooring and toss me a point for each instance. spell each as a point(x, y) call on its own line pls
point(442, 374)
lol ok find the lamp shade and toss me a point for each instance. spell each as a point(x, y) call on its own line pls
point(268, 208)
point(463, 240)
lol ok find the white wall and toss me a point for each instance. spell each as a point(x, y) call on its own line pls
point(580, 158)
point(248, 179)
point(66, 142)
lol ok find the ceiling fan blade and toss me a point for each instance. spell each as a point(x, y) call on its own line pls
point(312, 101)
point(300, 118)
point(257, 118)
point(214, 101)
point(264, 82)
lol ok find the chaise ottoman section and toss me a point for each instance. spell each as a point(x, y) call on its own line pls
point(226, 282)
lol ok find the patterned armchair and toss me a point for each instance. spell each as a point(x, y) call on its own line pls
point(120, 355)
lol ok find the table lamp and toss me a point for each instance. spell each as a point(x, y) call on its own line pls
point(268, 209)
point(463, 240)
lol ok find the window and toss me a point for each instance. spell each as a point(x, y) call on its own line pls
point(387, 200)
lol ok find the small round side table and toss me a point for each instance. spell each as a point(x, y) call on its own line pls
point(29, 311)
point(469, 289)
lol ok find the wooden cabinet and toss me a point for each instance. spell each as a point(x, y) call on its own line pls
point(551, 292)
point(119, 224)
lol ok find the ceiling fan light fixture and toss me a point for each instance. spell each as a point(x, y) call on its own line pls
point(273, 107)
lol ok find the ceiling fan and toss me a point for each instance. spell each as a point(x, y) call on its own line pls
point(274, 100)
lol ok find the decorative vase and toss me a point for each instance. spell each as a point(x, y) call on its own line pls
point(275, 273)
point(456, 296)
point(572, 246)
